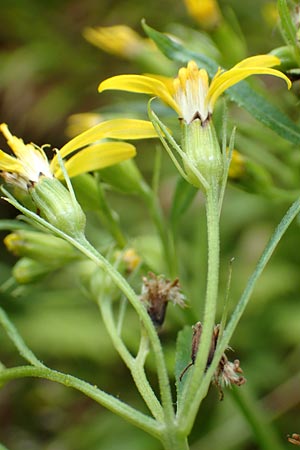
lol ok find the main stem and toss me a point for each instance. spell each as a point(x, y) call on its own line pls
point(192, 395)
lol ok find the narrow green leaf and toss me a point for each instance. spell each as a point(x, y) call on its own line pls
point(264, 112)
point(176, 52)
point(279, 232)
point(287, 26)
point(241, 93)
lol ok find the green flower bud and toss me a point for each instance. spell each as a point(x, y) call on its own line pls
point(201, 146)
point(58, 206)
point(46, 248)
point(28, 270)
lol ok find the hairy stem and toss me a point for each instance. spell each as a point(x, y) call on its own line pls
point(191, 398)
point(115, 405)
point(135, 365)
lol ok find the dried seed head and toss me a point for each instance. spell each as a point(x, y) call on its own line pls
point(227, 372)
point(294, 439)
point(157, 291)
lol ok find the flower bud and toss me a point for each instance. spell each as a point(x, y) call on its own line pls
point(58, 206)
point(27, 270)
point(200, 143)
point(42, 247)
point(129, 260)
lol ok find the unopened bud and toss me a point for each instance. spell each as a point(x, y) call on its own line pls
point(55, 203)
point(27, 270)
point(46, 248)
point(200, 143)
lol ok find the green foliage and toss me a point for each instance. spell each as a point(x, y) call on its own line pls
point(84, 317)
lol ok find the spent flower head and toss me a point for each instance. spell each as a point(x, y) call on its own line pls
point(294, 439)
point(227, 372)
point(157, 291)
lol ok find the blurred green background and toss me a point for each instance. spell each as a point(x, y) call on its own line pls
point(48, 72)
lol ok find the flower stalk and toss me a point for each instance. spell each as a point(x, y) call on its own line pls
point(189, 405)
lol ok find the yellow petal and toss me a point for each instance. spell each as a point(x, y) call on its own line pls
point(227, 79)
point(9, 163)
point(97, 157)
point(167, 81)
point(258, 61)
point(141, 84)
point(114, 129)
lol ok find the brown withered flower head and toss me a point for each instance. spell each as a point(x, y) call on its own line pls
point(157, 292)
point(227, 372)
point(294, 439)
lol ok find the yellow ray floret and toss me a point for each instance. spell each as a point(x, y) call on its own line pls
point(190, 94)
point(29, 161)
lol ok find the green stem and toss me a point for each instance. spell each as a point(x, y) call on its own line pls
point(135, 365)
point(104, 305)
point(243, 302)
point(18, 341)
point(128, 413)
point(172, 440)
point(86, 248)
point(192, 396)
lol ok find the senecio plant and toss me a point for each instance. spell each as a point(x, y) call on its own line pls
point(51, 232)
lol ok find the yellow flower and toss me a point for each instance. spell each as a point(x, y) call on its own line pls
point(30, 162)
point(118, 40)
point(190, 94)
point(124, 42)
point(205, 12)
point(237, 165)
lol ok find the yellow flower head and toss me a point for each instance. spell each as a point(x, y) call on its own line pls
point(30, 162)
point(190, 94)
point(205, 12)
point(118, 40)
